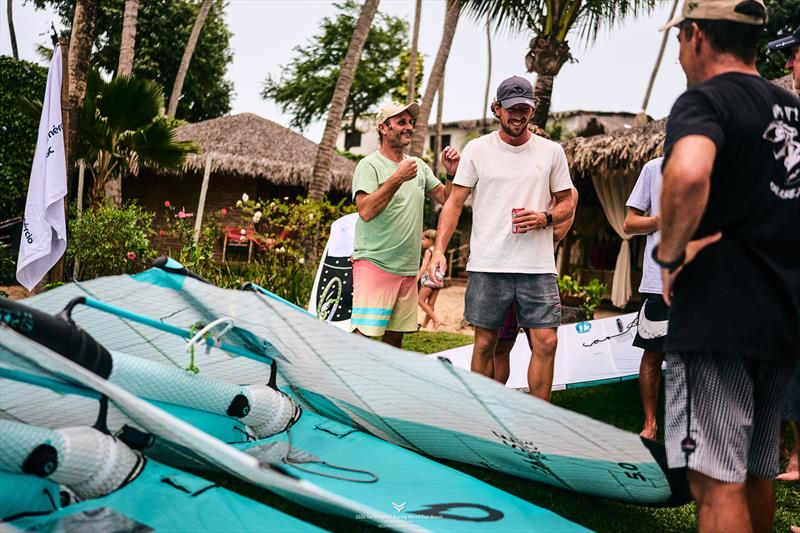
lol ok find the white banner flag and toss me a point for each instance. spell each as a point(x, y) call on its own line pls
point(44, 228)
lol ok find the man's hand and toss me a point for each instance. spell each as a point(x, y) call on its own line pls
point(407, 169)
point(438, 263)
point(526, 220)
point(692, 249)
point(450, 158)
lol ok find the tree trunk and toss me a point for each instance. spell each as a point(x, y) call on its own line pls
point(542, 93)
point(437, 144)
point(177, 87)
point(80, 51)
point(649, 90)
point(321, 178)
point(485, 125)
point(546, 57)
point(412, 62)
point(128, 39)
point(437, 73)
point(13, 34)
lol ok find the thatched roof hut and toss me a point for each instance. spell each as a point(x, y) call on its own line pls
point(623, 152)
point(247, 145)
point(617, 154)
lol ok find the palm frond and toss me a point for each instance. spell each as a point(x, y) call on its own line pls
point(609, 14)
point(508, 15)
point(156, 146)
point(130, 103)
point(30, 108)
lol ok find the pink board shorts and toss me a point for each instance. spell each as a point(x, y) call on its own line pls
point(382, 300)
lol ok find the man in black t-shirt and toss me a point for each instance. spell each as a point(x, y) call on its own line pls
point(730, 235)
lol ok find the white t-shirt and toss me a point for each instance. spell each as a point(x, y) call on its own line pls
point(646, 196)
point(504, 177)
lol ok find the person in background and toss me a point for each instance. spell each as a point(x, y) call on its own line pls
point(642, 219)
point(428, 288)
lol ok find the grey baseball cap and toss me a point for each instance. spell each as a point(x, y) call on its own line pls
point(787, 42)
point(515, 90)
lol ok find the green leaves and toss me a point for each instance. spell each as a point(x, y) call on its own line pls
point(130, 103)
point(18, 130)
point(305, 87)
point(162, 30)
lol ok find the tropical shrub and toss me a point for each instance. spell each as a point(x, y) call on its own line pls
point(289, 236)
point(590, 295)
point(110, 240)
point(8, 265)
point(18, 131)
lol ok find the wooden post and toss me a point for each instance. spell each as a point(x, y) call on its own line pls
point(81, 172)
point(198, 224)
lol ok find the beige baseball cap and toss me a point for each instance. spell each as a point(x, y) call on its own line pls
point(392, 109)
point(744, 11)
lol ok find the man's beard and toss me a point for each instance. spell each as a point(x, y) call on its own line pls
point(508, 131)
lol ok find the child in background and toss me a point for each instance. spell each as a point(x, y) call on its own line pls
point(429, 289)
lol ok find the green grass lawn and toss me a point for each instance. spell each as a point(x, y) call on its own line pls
point(616, 404)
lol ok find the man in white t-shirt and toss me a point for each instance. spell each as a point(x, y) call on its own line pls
point(642, 219)
point(511, 172)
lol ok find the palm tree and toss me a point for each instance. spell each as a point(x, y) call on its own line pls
point(552, 21)
point(485, 125)
point(177, 87)
point(11, 32)
point(436, 76)
point(652, 81)
point(79, 56)
point(128, 39)
point(122, 129)
point(321, 178)
point(412, 62)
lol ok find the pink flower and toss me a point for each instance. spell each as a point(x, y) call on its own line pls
point(131, 256)
point(223, 211)
point(167, 204)
point(184, 214)
point(161, 233)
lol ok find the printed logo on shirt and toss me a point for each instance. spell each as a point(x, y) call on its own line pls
point(787, 148)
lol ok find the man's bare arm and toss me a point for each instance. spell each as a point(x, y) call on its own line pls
point(448, 220)
point(687, 181)
point(372, 204)
point(636, 223)
point(560, 230)
point(438, 194)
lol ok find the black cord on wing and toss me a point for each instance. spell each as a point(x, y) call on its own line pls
point(268, 303)
point(499, 422)
point(629, 327)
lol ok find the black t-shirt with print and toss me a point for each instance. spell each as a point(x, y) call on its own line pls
point(742, 294)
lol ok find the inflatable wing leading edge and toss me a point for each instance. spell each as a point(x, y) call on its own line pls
point(422, 404)
point(332, 292)
point(262, 422)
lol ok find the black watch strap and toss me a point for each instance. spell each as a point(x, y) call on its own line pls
point(549, 217)
point(671, 266)
point(450, 177)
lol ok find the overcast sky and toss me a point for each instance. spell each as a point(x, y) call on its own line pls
point(610, 74)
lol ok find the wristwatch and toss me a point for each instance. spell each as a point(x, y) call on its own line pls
point(549, 216)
